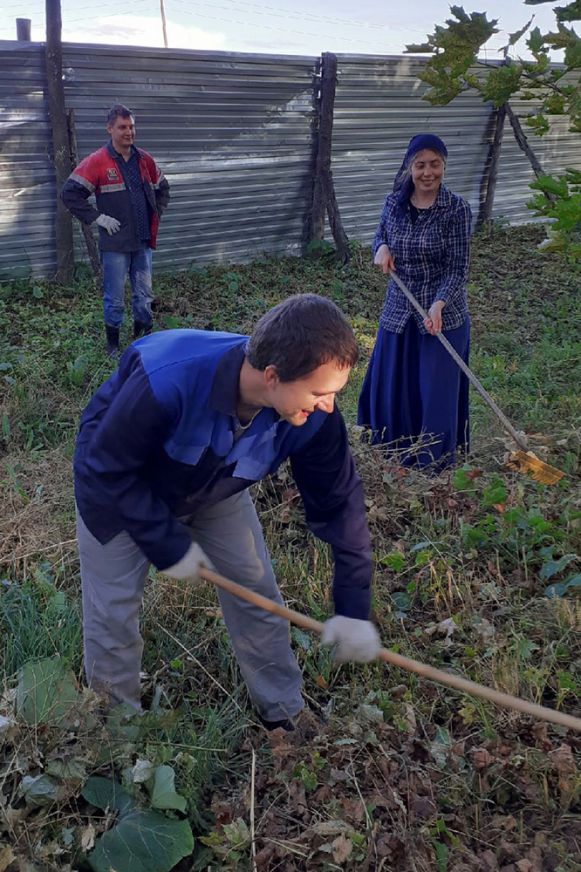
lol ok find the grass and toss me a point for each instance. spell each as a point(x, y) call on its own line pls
point(418, 777)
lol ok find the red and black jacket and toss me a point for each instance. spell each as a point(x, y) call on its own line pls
point(103, 173)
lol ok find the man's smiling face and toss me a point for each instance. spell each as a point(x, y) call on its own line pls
point(296, 400)
point(122, 133)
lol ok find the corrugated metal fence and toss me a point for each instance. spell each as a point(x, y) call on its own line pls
point(378, 108)
point(234, 134)
point(27, 186)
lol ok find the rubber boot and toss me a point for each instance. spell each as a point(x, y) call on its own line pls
point(112, 334)
point(141, 329)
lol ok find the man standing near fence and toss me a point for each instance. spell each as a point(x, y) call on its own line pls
point(131, 193)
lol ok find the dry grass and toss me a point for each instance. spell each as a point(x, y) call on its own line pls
point(38, 508)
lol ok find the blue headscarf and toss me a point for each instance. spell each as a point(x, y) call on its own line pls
point(403, 185)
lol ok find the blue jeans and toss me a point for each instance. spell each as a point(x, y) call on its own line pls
point(116, 265)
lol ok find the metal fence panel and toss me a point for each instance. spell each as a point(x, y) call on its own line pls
point(377, 111)
point(232, 133)
point(27, 187)
point(378, 108)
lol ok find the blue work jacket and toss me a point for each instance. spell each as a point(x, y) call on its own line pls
point(156, 446)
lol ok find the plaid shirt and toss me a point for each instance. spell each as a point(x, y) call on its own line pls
point(431, 257)
point(132, 173)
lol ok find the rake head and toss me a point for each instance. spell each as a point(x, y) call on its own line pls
point(527, 462)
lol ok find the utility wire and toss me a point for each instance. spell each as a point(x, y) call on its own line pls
point(126, 7)
point(280, 29)
point(107, 10)
point(263, 8)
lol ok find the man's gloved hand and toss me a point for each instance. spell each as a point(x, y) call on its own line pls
point(190, 564)
point(111, 225)
point(354, 640)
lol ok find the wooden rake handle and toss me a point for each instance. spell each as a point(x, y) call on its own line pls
point(477, 384)
point(429, 672)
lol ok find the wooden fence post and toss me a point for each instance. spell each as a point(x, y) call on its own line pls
point(60, 139)
point(23, 29)
point(491, 168)
point(92, 250)
point(324, 199)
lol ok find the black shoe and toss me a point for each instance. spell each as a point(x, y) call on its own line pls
point(305, 725)
point(286, 724)
point(140, 328)
point(112, 334)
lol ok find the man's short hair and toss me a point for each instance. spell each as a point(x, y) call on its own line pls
point(118, 111)
point(301, 334)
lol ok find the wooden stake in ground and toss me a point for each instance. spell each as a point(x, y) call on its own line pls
point(431, 673)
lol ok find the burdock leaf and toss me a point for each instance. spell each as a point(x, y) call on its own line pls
point(46, 692)
point(104, 793)
point(142, 841)
point(163, 794)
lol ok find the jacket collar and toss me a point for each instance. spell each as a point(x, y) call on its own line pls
point(115, 154)
point(224, 391)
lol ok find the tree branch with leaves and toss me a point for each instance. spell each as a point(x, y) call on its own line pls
point(455, 66)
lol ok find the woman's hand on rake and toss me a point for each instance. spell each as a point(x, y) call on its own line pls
point(383, 259)
point(433, 323)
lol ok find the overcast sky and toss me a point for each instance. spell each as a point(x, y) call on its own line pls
point(303, 27)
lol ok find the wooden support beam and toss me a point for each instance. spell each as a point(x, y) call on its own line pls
point(23, 28)
point(60, 139)
point(524, 146)
point(324, 199)
point(92, 249)
point(491, 169)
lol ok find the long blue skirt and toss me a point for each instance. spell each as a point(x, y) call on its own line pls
point(415, 397)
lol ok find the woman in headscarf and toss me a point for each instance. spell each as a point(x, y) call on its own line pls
point(414, 395)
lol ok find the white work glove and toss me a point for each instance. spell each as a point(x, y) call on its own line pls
point(190, 564)
point(111, 225)
point(354, 640)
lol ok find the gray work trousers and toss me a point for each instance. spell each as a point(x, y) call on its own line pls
point(113, 578)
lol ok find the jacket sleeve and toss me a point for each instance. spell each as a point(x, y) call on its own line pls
point(457, 253)
point(133, 428)
point(381, 232)
point(332, 494)
point(162, 197)
point(79, 186)
point(160, 186)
